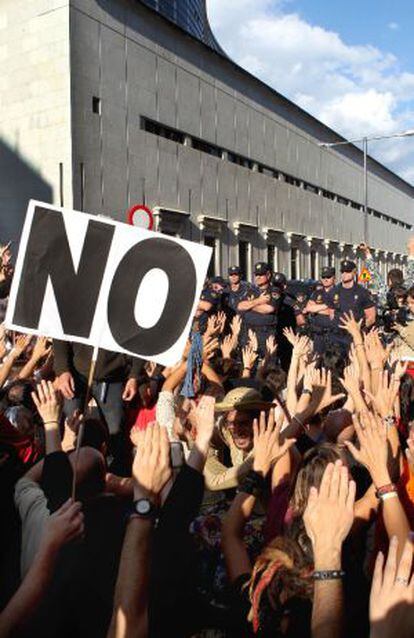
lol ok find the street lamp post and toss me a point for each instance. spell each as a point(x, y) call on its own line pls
point(364, 141)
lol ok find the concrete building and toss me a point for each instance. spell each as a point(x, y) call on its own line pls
point(109, 103)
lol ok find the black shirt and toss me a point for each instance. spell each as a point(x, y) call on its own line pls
point(355, 299)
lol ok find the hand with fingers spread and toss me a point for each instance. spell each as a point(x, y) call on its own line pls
point(377, 354)
point(391, 605)
point(227, 346)
point(266, 442)
point(373, 446)
point(387, 391)
point(290, 335)
point(64, 526)
point(209, 348)
point(252, 341)
point(271, 345)
point(400, 369)
point(213, 327)
point(151, 469)
point(48, 403)
point(249, 357)
point(221, 321)
point(329, 515)
point(236, 326)
point(348, 322)
point(301, 347)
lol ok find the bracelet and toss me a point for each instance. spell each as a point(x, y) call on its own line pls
point(385, 489)
point(328, 574)
point(253, 483)
point(246, 368)
point(388, 495)
point(46, 422)
point(307, 391)
point(359, 345)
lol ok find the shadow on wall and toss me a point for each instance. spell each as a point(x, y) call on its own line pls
point(19, 182)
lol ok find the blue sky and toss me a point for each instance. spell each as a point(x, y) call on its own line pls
point(351, 64)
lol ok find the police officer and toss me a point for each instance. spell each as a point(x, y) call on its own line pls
point(237, 289)
point(260, 307)
point(349, 296)
point(290, 316)
point(209, 304)
point(318, 311)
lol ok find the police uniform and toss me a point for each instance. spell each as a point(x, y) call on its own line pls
point(321, 325)
point(234, 297)
point(344, 300)
point(264, 325)
point(212, 297)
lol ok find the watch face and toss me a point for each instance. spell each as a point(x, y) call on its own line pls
point(143, 506)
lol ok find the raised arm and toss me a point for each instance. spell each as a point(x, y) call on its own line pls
point(328, 519)
point(151, 471)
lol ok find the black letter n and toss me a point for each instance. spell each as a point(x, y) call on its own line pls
point(48, 255)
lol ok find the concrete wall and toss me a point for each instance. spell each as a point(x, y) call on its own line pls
point(139, 65)
point(34, 107)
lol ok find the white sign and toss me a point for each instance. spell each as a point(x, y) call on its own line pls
point(103, 283)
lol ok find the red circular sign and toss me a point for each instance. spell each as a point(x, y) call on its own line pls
point(140, 216)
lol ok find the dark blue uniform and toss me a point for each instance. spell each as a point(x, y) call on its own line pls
point(234, 297)
point(212, 297)
point(320, 325)
point(356, 299)
point(263, 325)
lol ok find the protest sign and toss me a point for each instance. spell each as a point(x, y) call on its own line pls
point(106, 284)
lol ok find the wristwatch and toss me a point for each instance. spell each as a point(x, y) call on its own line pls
point(143, 508)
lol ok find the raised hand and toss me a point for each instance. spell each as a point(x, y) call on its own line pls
point(271, 345)
point(329, 514)
point(65, 525)
point(47, 403)
point(267, 448)
point(252, 342)
point(204, 419)
point(236, 326)
point(373, 447)
point(151, 469)
point(348, 322)
point(42, 348)
point(20, 345)
point(249, 357)
point(387, 391)
point(221, 321)
point(71, 429)
point(209, 348)
point(227, 346)
point(377, 355)
point(391, 604)
point(290, 335)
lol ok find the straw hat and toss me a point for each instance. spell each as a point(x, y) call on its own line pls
point(243, 399)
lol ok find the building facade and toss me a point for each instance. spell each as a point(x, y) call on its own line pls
point(146, 110)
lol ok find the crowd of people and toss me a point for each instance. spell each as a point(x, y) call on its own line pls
point(263, 485)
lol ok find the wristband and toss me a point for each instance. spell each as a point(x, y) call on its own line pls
point(385, 489)
point(46, 422)
point(388, 495)
point(246, 368)
point(253, 483)
point(307, 391)
point(328, 574)
point(359, 345)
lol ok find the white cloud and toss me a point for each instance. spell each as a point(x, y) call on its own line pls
point(357, 90)
point(394, 26)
